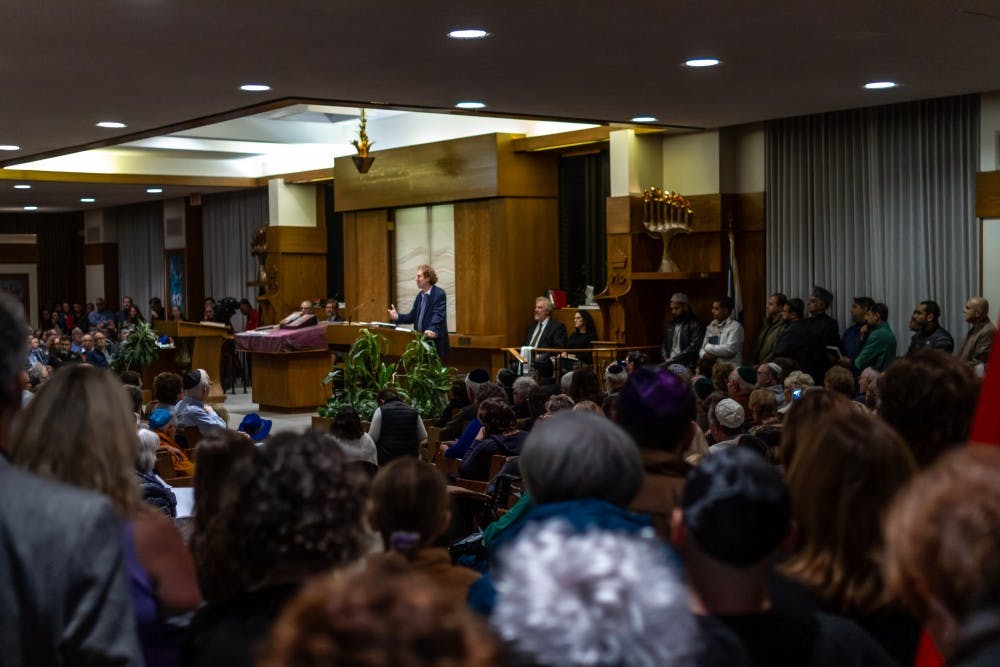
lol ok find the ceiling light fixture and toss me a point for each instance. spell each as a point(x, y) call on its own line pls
point(468, 33)
point(22, 186)
point(702, 62)
point(30, 208)
point(880, 85)
point(87, 200)
point(9, 147)
point(154, 191)
point(111, 124)
point(255, 87)
point(470, 105)
point(644, 119)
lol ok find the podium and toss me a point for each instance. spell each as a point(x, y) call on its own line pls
point(205, 343)
point(288, 367)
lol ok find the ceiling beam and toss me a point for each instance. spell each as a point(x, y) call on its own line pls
point(129, 179)
point(563, 140)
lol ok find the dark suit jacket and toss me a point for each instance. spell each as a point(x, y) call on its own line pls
point(66, 599)
point(553, 336)
point(435, 317)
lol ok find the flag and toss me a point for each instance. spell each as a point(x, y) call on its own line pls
point(733, 281)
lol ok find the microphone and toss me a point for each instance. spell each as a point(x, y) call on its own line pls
point(350, 317)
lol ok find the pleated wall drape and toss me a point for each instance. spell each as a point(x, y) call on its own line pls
point(877, 202)
point(140, 252)
point(228, 222)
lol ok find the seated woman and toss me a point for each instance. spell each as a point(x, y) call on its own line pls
point(499, 435)
point(154, 490)
point(409, 508)
point(583, 336)
point(345, 429)
point(79, 430)
point(163, 423)
point(290, 509)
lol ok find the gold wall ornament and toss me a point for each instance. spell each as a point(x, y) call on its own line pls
point(666, 214)
point(362, 161)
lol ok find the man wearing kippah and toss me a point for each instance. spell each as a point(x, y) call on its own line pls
point(683, 338)
point(191, 410)
point(733, 524)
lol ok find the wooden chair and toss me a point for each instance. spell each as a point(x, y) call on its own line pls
point(165, 469)
point(193, 436)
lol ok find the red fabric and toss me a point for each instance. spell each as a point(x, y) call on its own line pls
point(253, 320)
point(986, 423)
point(927, 654)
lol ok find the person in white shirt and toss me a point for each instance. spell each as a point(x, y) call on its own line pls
point(723, 335)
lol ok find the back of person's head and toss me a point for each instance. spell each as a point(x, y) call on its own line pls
point(490, 390)
point(787, 365)
point(374, 618)
point(544, 369)
point(296, 510)
point(728, 417)
point(656, 407)
point(134, 397)
point(167, 388)
point(566, 382)
point(841, 482)
point(797, 306)
point(145, 457)
point(720, 375)
point(506, 377)
point(930, 398)
point(13, 350)
point(195, 382)
point(80, 430)
point(736, 508)
point(523, 385)
point(473, 379)
point(346, 424)
point(388, 394)
point(585, 385)
point(805, 414)
point(409, 505)
point(537, 399)
point(799, 380)
point(575, 455)
point(840, 380)
point(589, 406)
point(594, 598)
point(496, 416)
point(558, 402)
point(942, 538)
point(615, 376)
point(131, 378)
point(763, 404)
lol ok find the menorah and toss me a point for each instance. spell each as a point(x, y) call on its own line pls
point(666, 214)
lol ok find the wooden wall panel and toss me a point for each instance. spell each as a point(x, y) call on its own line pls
point(194, 260)
point(749, 223)
point(531, 235)
point(100, 253)
point(988, 194)
point(19, 253)
point(366, 265)
point(479, 256)
point(60, 252)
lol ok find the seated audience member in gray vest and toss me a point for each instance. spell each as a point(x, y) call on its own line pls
point(396, 428)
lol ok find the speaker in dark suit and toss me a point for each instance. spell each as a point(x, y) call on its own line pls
point(430, 310)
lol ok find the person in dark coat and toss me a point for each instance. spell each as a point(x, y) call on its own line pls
point(822, 333)
point(683, 337)
point(396, 428)
point(430, 310)
point(154, 490)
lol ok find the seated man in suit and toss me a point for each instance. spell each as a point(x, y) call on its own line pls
point(544, 331)
point(430, 310)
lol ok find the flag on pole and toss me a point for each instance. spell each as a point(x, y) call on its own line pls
point(733, 281)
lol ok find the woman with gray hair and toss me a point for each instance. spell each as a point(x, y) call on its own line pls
point(154, 490)
point(577, 467)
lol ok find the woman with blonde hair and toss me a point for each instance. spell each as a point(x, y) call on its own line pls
point(79, 430)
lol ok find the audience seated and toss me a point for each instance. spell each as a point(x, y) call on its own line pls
point(80, 430)
point(656, 408)
point(163, 423)
point(345, 429)
point(521, 390)
point(409, 508)
point(458, 423)
point(840, 483)
point(191, 410)
point(586, 386)
point(154, 490)
point(457, 400)
point(726, 422)
point(378, 619)
point(942, 554)
point(292, 509)
point(556, 403)
point(499, 435)
point(571, 598)
point(396, 428)
point(731, 530)
point(929, 397)
point(806, 413)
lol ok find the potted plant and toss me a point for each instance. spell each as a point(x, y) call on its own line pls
point(137, 349)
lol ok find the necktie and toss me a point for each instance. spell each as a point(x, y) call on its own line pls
point(420, 313)
point(538, 334)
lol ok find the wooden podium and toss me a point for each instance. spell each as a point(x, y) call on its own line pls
point(205, 342)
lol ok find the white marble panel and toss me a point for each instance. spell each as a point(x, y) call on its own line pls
point(425, 235)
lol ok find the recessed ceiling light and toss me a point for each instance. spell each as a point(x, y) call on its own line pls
point(30, 208)
point(111, 124)
point(255, 87)
point(22, 186)
point(702, 62)
point(880, 85)
point(468, 33)
point(87, 200)
point(470, 105)
point(154, 191)
point(9, 147)
point(644, 119)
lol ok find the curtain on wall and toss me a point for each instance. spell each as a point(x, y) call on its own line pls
point(228, 221)
point(140, 252)
point(877, 202)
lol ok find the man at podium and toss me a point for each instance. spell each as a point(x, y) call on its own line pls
point(430, 310)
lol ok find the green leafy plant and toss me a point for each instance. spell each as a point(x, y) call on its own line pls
point(419, 376)
point(138, 349)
